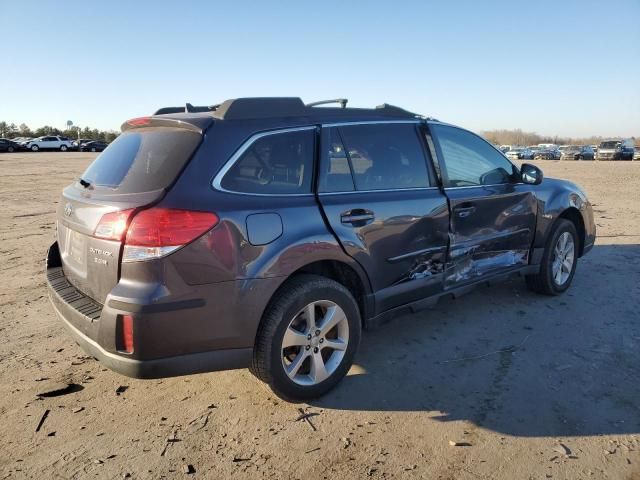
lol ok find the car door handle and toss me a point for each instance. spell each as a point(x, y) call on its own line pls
point(464, 212)
point(357, 216)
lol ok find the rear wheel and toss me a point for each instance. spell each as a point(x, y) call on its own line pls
point(307, 338)
point(63, 148)
point(10, 150)
point(93, 149)
point(559, 261)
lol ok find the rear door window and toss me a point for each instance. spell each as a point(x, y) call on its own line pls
point(142, 160)
point(336, 172)
point(274, 164)
point(385, 156)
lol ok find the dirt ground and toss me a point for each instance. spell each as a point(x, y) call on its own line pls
point(529, 386)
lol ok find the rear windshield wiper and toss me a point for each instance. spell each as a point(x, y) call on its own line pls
point(84, 183)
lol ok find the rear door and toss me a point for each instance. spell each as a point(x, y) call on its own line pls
point(134, 171)
point(493, 215)
point(49, 142)
point(379, 195)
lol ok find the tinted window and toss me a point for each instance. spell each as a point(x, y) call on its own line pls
point(470, 160)
point(279, 163)
point(385, 156)
point(142, 160)
point(336, 174)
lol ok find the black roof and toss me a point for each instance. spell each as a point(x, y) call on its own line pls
point(286, 107)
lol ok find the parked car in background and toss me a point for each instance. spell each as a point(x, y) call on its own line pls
point(519, 153)
point(636, 153)
point(526, 154)
point(201, 240)
point(544, 154)
point(548, 146)
point(94, 146)
point(616, 150)
point(8, 146)
point(20, 140)
point(48, 143)
point(76, 144)
point(577, 152)
point(514, 153)
point(551, 148)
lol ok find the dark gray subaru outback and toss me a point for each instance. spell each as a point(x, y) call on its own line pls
point(265, 233)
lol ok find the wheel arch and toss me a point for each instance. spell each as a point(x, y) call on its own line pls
point(573, 215)
point(350, 276)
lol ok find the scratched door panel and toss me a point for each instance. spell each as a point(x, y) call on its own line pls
point(492, 229)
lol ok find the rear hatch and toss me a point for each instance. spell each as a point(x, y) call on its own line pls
point(134, 171)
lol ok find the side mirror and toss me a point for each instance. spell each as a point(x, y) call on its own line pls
point(531, 174)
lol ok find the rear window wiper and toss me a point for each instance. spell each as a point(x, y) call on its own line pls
point(84, 183)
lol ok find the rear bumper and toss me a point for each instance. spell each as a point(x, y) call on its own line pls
point(164, 367)
point(93, 327)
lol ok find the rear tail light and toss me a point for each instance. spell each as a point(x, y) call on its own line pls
point(126, 333)
point(154, 232)
point(113, 225)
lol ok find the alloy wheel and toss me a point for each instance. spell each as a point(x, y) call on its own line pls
point(315, 342)
point(563, 258)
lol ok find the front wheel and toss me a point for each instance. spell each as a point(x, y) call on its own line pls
point(10, 149)
point(34, 148)
point(559, 261)
point(307, 338)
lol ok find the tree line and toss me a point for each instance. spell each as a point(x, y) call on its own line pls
point(518, 137)
point(11, 130)
point(497, 137)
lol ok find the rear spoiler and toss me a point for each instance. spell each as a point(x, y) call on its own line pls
point(193, 123)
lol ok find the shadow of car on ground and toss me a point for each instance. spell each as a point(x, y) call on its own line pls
point(512, 361)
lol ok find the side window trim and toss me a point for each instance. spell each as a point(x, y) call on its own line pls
point(443, 166)
point(217, 180)
point(433, 167)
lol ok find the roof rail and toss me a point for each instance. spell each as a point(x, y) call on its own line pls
point(188, 108)
point(393, 110)
point(260, 107)
point(269, 107)
point(341, 101)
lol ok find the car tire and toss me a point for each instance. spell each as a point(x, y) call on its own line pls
point(34, 148)
point(559, 261)
point(63, 148)
point(327, 354)
point(93, 149)
point(10, 150)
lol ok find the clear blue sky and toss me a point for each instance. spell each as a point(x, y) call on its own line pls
point(555, 67)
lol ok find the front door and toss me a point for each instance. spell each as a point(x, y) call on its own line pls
point(493, 215)
point(378, 193)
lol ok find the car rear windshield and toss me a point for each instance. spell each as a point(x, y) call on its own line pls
point(142, 160)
